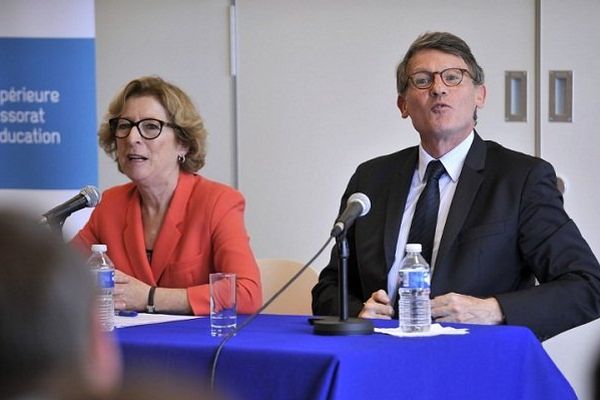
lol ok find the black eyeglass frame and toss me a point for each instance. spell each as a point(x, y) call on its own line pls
point(114, 121)
point(441, 74)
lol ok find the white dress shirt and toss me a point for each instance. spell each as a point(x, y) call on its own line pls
point(453, 162)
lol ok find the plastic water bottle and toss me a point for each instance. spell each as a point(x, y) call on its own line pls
point(104, 274)
point(414, 306)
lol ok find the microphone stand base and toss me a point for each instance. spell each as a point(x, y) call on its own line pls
point(334, 326)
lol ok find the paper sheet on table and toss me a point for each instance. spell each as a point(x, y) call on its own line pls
point(435, 330)
point(147, 319)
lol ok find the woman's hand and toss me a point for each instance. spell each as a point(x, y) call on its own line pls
point(130, 293)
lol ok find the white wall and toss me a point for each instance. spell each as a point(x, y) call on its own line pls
point(570, 38)
point(185, 42)
point(317, 96)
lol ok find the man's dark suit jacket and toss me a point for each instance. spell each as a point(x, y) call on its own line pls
point(506, 228)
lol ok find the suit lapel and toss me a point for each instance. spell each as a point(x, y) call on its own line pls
point(399, 187)
point(170, 232)
point(466, 191)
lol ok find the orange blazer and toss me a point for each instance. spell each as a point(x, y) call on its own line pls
point(202, 232)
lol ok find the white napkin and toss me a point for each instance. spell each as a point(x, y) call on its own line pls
point(435, 330)
point(147, 319)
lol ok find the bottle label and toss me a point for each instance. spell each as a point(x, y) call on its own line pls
point(106, 279)
point(414, 279)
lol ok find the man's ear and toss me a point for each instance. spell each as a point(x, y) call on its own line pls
point(480, 96)
point(401, 102)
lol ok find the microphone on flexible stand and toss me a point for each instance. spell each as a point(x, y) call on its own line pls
point(358, 205)
point(88, 196)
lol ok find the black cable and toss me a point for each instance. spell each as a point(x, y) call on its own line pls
point(252, 317)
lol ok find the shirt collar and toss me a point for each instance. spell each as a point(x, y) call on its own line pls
point(453, 161)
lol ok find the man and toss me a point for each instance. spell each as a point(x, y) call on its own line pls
point(51, 344)
point(500, 224)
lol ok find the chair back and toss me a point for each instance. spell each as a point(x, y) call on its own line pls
point(296, 299)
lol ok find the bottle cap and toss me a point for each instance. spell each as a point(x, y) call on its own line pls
point(414, 248)
point(98, 248)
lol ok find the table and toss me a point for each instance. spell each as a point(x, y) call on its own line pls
point(279, 357)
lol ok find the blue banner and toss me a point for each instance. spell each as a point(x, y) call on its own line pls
point(47, 113)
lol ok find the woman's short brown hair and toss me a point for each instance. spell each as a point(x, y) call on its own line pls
point(179, 108)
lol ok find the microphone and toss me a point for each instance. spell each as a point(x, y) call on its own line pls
point(89, 196)
point(358, 204)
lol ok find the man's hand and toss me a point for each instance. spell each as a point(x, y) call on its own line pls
point(378, 306)
point(453, 307)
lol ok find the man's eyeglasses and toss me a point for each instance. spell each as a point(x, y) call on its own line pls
point(450, 77)
point(149, 128)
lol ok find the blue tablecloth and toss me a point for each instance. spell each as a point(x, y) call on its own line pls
point(279, 357)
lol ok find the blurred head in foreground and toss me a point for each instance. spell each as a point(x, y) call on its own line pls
point(51, 345)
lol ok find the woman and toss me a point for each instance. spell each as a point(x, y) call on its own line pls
point(169, 228)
